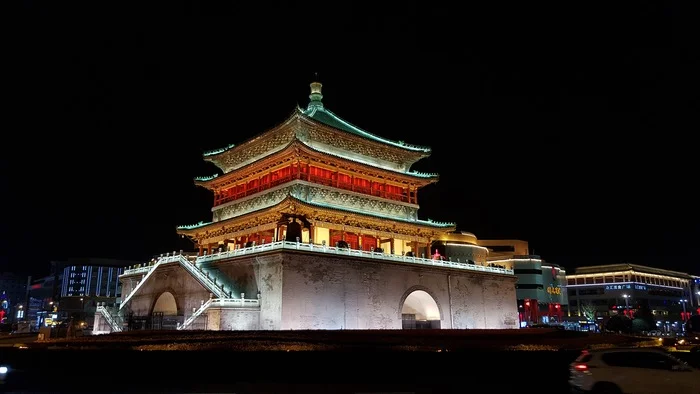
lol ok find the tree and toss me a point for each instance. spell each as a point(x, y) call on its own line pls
point(644, 313)
point(693, 325)
point(639, 325)
point(619, 323)
point(588, 310)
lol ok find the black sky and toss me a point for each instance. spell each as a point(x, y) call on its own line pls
point(573, 129)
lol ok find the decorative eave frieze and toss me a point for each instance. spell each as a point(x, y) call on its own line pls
point(268, 218)
point(317, 135)
point(297, 151)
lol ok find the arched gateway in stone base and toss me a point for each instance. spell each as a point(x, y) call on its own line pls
point(166, 304)
point(419, 309)
point(286, 199)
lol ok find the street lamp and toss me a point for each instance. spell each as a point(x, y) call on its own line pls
point(682, 302)
point(627, 303)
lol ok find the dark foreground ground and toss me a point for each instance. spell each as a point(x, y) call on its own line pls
point(125, 371)
point(433, 361)
point(341, 340)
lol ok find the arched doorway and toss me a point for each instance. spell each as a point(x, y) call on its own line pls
point(166, 304)
point(420, 311)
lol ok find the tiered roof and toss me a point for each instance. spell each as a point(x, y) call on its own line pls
point(421, 178)
point(317, 116)
point(316, 111)
point(317, 130)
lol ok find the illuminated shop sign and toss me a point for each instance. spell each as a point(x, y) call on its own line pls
point(618, 287)
point(625, 287)
point(554, 290)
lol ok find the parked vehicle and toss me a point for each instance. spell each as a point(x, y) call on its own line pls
point(632, 370)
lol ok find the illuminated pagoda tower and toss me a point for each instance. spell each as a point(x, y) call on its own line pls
point(315, 226)
point(317, 178)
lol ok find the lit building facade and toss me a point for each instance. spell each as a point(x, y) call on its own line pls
point(540, 290)
point(43, 310)
point(13, 297)
point(78, 285)
point(696, 292)
point(315, 226)
point(598, 292)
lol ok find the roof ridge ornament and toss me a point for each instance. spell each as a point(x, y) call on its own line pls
point(316, 96)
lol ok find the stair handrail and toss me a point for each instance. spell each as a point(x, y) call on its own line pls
point(108, 316)
point(208, 282)
point(196, 314)
point(141, 282)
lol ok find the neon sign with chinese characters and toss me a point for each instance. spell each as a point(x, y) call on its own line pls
point(554, 290)
point(618, 287)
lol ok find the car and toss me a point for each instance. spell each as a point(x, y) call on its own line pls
point(631, 370)
point(689, 343)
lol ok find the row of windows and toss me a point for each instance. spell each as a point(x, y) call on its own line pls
point(668, 293)
point(618, 278)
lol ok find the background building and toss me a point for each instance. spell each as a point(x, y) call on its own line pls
point(540, 290)
point(78, 285)
point(599, 292)
point(696, 293)
point(13, 297)
point(42, 308)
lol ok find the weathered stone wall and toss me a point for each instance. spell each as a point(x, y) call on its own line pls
point(345, 293)
point(100, 324)
point(237, 319)
point(269, 278)
point(309, 291)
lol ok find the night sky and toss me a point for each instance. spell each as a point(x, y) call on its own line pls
point(574, 132)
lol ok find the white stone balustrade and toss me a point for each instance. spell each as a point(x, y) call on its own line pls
point(329, 250)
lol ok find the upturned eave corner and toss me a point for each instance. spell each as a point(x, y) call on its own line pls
point(192, 229)
point(205, 181)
